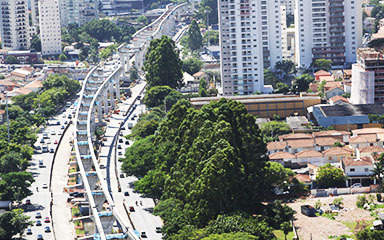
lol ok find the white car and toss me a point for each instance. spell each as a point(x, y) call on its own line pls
point(45, 185)
point(49, 141)
point(53, 133)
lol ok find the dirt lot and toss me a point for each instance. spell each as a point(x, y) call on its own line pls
point(321, 227)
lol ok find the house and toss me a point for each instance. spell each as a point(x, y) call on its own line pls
point(370, 151)
point(8, 85)
point(22, 74)
point(34, 86)
point(324, 143)
point(336, 154)
point(358, 170)
point(309, 156)
point(284, 158)
point(274, 147)
point(199, 75)
point(304, 178)
point(363, 141)
point(334, 91)
point(298, 124)
point(342, 136)
point(19, 91)
point(321, 73)
point(338, 100)
point(298, 145)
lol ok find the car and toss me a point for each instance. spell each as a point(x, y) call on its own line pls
point(121, 134)
point(58, 123)
point(120, 140)
point(120, 153)
point(40, 237)
point(356, 185)
point(119, 147)
point(123, 128)
point(158, 229)
point(49, 141)
point(28, 202)
point(66, 122)
point(44, 149)
point(126, 194)
point(47, 229)
point(38, 147)
point(42, 140)
point(143, 235)
point(131, 209)
point(53, 133)
point(29, 231)
point(38, 215)
point(59, 133)
point(56, 142)
point(126, 142)
point(62, 127)
point(51, 150)
point(102, 166)
point(132, 118)
point(45, 185)
point(47, 220)
point(135, 115)
point(69, 116)
point(122, 175)
point(38, 223)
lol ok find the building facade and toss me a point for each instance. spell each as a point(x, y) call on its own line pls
point(14, 24)
point(368, 77)
point(328, 29)
point(78, 12)
point(250, 40)
point(50, 28)
point(122, 7)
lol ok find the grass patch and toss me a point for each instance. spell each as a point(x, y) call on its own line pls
point(80, 232)
point(279, 234)
point(328, 215)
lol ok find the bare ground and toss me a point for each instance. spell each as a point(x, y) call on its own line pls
point(320, 228)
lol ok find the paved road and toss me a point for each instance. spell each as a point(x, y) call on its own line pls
point(41, 198)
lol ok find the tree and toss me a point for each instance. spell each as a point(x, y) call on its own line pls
point(233, 236)
point(286, 227)
point(162, 64)
point(133, 72)
point(208, 12)
point(282, 88)
point(378, 171)
point(278, 176)
point(203, 88)
point(142, 19)
point(285, 70)
point(13, 222)
point(192, 65)
point(211, 37)
point(36, 43)
point(301, 83)
point(11, 60)
point(105, 53)
point(273, 129)
point(155, 96)
point(12, 162)
point(322, 64)
point(63, 57)
point(321, 89)
point(270, 78)
point(369, 234)
point(194, 38)
point(14, 186)
point(276, 214)
point(330, 176)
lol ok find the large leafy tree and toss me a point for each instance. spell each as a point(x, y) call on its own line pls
point(14, 186)
point(273, 129)
point(330, 176)
point(194, 38)
point(162, 64)
point(285, 70)
point(155, 96)
point(12, 223)
point(12, 162)
point(192, 65)
point(301, 83)
point(322, 64)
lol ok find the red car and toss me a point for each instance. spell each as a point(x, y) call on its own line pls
point(47, 220)
point(55, 142)
point(131, 209)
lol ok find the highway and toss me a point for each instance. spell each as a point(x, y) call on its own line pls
point(41, 198)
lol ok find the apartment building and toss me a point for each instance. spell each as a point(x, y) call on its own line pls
point(35, 12)
point(50, 29)
point(250, 40)
point(77, 11)
point(122, 7)
point(289, 5)
point(14, 24)
point(329, 29)
point(368, 77)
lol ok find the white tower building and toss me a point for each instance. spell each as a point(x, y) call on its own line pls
point(50, 28)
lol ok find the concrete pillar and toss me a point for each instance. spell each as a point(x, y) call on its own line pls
point(99, 111)
point(110, 86)
point(87, 163)
point(117, 88)
point(92, 179)
point(99, 198)
point(105, 101)
point(123, 62)
point(107, 222)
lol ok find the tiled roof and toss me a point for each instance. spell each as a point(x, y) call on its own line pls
point(367, 131)
point(281, 155)
point(6, 82)
point(327, 78)
point(199, 74)
point(339, 98)
point(326, 141)
point(369, 138)
point(34, 84)
point(295, 136)
point(276, 145)
point(300, 143)
point(372, 149)
point(308, 153)
point(330, 133)
point(322, 72)
point(303, 178)
point(337, 151)
point(365, 161)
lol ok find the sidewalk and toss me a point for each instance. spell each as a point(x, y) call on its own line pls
point(61, 212)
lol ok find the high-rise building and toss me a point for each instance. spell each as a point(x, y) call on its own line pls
point(289, 5)
point(14, 25)
point(328, 29)
point(121, 7)
point(50, 28)
point(250, 40)
point(78, 12)
point(35, 12)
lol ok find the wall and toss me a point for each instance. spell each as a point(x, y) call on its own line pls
point(363, 86)
point(359, 170)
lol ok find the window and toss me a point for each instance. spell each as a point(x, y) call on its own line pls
point(352, 170)
point(366, 170)
point(329, 158)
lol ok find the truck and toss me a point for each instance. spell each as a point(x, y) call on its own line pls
point(130, 125)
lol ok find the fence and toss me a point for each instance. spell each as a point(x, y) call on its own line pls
point(342, 191)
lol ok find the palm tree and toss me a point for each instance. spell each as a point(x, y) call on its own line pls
point(378, 171)
point(286, 227)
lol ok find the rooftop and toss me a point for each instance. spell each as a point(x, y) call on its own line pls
point(337, 151)
point(309, 153)
point(330, 133)
point(295, 136)
point(339, 98)
point(351, 110)
point(322, 72)
point(372, 149)
point(281, 155)
point(276, 145)
point(367, 131)
point(364, 161)
point(301, 143)
point(363, 139)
